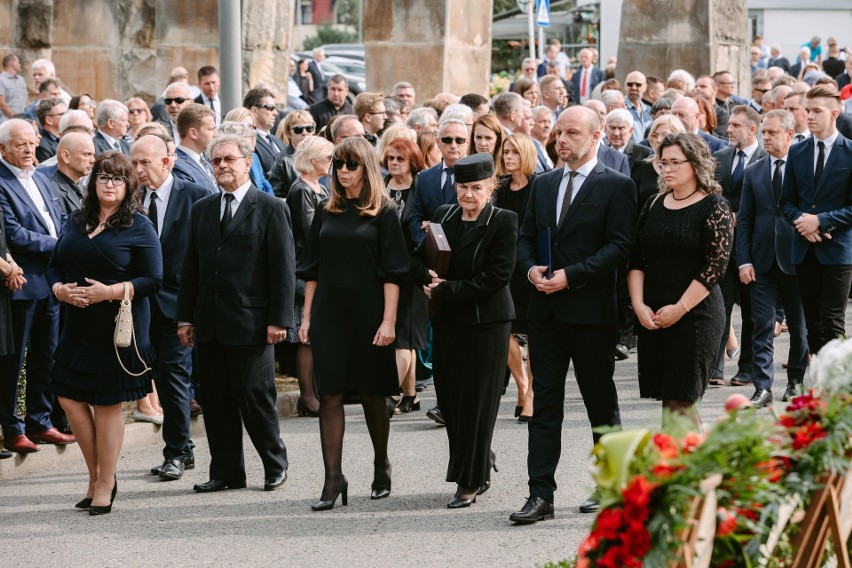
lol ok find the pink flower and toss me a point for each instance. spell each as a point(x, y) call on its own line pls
point(726, 522)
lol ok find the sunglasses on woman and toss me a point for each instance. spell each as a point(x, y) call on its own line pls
point(350, 164)
point(301, 129)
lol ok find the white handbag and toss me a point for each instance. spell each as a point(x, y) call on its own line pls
point(124, 334)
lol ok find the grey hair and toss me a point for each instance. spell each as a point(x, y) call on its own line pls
point(241, 144)
point(619, 115)
point(611, 97)
point(445, 123)
point(45, 64)
point(73, 117)
point(685, 76)
point(459, 111)
point(785, 117)
point(541, 108)
point(6, 129)
point(109, 109)
point(311, 148)
point(417, 117)
point(317, 50)
point(341, 120)
point(240, 129)
point(183, 86)
point(505, 104)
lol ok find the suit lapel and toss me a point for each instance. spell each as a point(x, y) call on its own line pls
point(584, 192)
point(25, 197)
point(171, 209)
point(726, 163)
point(243, 211)
point(212, 214)
point(839, 143)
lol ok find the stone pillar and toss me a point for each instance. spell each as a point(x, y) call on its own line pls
point(701, 36)
point(436, 45)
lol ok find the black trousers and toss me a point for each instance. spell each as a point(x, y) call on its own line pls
point(626, 315)
point(238, 389)
point(553, 347)
point(824, 289)
point(173, 369)
point(735, 292)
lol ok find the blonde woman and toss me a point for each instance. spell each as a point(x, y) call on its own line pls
point(296, 126)
point(138, 114)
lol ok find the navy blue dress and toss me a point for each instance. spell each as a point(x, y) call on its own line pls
point(85, 366)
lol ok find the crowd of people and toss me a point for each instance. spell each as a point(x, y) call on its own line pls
point(585, 222)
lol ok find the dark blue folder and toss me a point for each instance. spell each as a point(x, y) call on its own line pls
point(543, 253)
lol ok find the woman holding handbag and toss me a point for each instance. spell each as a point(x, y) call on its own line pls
point(107, 258)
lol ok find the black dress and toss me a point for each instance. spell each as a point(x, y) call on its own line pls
point(351, 257)
point(520, 286)
point(7, 340)
point(673, 248)
point(85, 366)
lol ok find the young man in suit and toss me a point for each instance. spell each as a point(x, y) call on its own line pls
point(111, 117)
point(208, 82)
point(261, 104)
point(573, 315)
point(763, 244)
point(817, 201)
point(730, 165)
point(75, 158)
point(235, 302)
point(33, 221)
point(197, 128)
point(168, 201)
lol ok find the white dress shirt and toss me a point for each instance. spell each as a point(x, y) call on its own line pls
point(163, 192)
point(238, 194)
point(582, 173)
point(26, 179)
point(829, 144)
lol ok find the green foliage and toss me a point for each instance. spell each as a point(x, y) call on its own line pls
point(327, 34)
point(501, 6)
point(561, 564)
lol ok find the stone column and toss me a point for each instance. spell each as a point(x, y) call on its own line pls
point(701, 36)
point(436, 45)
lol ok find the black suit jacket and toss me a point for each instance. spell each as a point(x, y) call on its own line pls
point(236, 284)
point(265, 151)
point(47, 147)
point(844, 125)
point(592, 242)
point(714, 142)
point(642, 173)
point(173, 238)
point(724, 165)
point(102, 145)
point(68, 193)
point(476, 288)
point(781, 62)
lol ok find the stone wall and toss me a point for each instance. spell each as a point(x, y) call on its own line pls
point(121, 49)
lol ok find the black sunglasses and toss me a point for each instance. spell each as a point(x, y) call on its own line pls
point(449, 140)
point(267, 107)
point(300, 129)
point(350, 164)
point(631, 84)
point(178, 100)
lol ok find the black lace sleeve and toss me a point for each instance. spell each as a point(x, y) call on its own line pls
point(637, 259)
point(718, 240)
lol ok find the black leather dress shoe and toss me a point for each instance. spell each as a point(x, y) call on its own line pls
point(172, 470)
point(188, 463)
point(741, 379)
point(621, 352)
point(761, 398)
point(535, 509)
point(273, 482)
point(217, 485)
point(5, 454)
point(435, 414)
point(459, 503)
point(592, 504)
point(792, 391)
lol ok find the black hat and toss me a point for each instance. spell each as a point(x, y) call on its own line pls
point(474, 168)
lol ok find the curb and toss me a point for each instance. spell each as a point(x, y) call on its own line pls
point(137, 435)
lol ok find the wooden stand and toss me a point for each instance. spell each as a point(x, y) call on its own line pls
point(697, 537)
point(821, 520)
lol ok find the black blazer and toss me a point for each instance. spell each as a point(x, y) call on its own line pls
point(642, 173)
point(264, 150)
point(636, 153)
point(476, 289)
point(66, 191)
point(236, 284)
point(724, 164)
point(173, 239)
point(319, 92)
point(592, 242)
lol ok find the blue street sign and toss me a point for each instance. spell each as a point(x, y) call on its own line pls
point(543, 20)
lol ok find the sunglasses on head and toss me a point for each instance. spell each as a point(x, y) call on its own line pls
point(450, 139)
point(267, 107)
point(350, 164)
point(300, 129)
point(178, 100)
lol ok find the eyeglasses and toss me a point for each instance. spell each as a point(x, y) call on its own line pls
point(449, 140)
point(139, 110)
point(178, 100)
point(267, 107)
point(350, 164)
point(301, 129)
point(372, 113)
point(634, 84)
point(227, 159)
point(761, 91)
point(55, 114)
point(104, 179)
point(396, 159)
point(673, 165)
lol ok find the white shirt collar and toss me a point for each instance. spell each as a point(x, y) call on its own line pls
point(191, 153)
point(829, 142)
point(750, 150)
point(240, 192)
point(164, 190)
point(773, 159)
point(19, 172)
point(583, 170)
point(109, 138)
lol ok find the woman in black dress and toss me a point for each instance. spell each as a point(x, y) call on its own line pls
point(403, 161)
point(105, 248)
point(13, 280)
point(352, 264)
point(517, 163)
point(312, 160)
point(470, 341)
point(683, 242)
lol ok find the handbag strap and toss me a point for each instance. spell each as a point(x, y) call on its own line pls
point(125, 303)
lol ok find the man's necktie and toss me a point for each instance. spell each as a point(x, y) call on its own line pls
point(820, 162)
point(152, 212)
point(213, 108)
point(738, 169)
point(447, 189)
point(800, 137)
point(566, 199)
point(583, 83)
point(777, 181)
point(208, 167)
point(226, 218)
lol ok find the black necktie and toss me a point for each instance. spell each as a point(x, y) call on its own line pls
point(152, 212)
point(226, 218)
point(777, 181)
point(800, 137)
point(211, 105)
point(447, 189)
point(738, 169)
point(820, 162)
point(566, 199)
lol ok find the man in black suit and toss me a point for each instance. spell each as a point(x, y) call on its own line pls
point(686, 109)
point(314, 68)
point(777, 59)
point(48, 113)
point(730, 165)
point(705, 85)
point(763, 244)
point(235, 302)
point(208, 82)
point(619, 133)
point(804, 58)
point(261, 105)
point(111, 117)
point(168, 201)
point(75, 157)
point(590, 211)
point(336, 103)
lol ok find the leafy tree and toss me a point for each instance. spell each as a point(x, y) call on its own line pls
point(327, 34)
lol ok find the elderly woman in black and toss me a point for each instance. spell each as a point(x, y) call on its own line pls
point(471, 334)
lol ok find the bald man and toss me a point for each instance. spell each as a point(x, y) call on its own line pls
point(75, 157)
point(686, 109)
point(635, 86)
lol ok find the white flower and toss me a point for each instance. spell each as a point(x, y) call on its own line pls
point(831, 369)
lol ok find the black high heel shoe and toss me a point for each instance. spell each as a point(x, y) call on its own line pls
point(303, 410)
point(518, 410)
point(379, 492)
point(84, 503)
point(343, 489)
point(95, 510)
point(408, 403)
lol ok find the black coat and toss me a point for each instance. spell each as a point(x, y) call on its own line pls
point(66, 191)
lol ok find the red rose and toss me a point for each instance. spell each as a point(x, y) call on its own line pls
point(726, 522)
point(692, 440)
point(665, 445)
point(638, 491)
point(613, 558)
point(589, 545)
point(636, 539)
point(663, 470)
point(609, 523)
point(804, 436)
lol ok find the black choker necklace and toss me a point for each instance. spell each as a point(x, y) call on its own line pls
point(683, 198)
